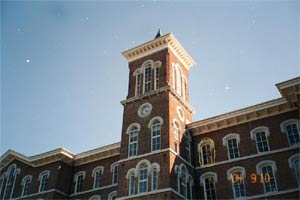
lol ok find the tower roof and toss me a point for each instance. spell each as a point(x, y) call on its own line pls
point(158, 44)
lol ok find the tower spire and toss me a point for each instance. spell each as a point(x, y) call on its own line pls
point(158, 34)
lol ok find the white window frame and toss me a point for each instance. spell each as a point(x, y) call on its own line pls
point(210, 142)
point(283, 128)
point(95, 197)
point(226, 140)
point(141, 181)
point(177, 131)
point(113, 171)
point(157, 66)
point(15, 174)
point(129, 132)
point(253, 133)
point(291, 161)
point(23, 183)
point(188, 140)
point(99, 169)
point(138, 87)
point(43, 174)
point(265, 163)
point(80, 173)
point(233, 170)
point(150, 125)
point(112, 195)
point(152, 180)
point(203, 177)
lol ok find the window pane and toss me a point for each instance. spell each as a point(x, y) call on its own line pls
point(293, 133)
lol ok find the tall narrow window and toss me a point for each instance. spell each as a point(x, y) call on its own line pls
point(131, 184)
point(138, 83)
point(10, 181)
point(231, 141)
point(154, 179)
point(78, 179)
point(133, 141)
point(147, 81)
point(208, 181)
point(267, 169)
point(115, 173)
point(143, 178)
point(43, 178)
point(292, 128)
point(187, 140)
point(1, 182)
point(156, 77)
point(25, 183)
point(98, 174)
point(182, 181)
point(176, 136)
point(206, 152)
point(155, 129)
point(238, 185)
point(294, 163)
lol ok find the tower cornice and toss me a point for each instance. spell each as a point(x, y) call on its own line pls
point(158, 44)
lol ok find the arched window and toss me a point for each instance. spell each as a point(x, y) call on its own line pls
point(260, 135)
point(155, 130)
point(132, 130)
point(43, 179)
point(206, 149)
point(267, 169)
point(147, 78)
point(237, 175)
point(184, 182)
point(208, 180)
point(78, 179)
point(131, 184)
point(138, 82)
point(143, 178)
point(95, 197)
point(176, 135)
point(294, 163)
point(231, 141)
point(25, 184)
point(97, 174)
point(154, 179)
point(157, 66)
point(12, 173)
point(112, 195)
point(115, 170)
point(187, 140)
point(177, 76)
point(292, 128)
point(2, 179)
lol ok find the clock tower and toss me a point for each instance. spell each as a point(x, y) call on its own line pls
point(155, 154)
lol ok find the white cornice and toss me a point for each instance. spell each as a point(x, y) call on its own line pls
point(158, 44)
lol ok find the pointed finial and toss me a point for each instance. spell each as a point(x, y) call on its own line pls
point(158, 34)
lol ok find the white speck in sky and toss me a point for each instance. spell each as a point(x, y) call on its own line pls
point(227, 88)
point(27, 60)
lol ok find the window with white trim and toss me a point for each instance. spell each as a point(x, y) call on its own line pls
point(155, 132)
point(143, 178)
point(112, 195)
point(156, 78)
point(267, 170)
point(206, 149)
point(138, 84)
point(133, 141)
point(43, 179)
point(237, 175)
point(147, 78)
point(115, 169)
point(176, 135)
point(11, 173)
point(187, 141)
point(154, 179)
point(231, 141)
point(131, 184)
point(184, 182)
point(208, 181)
point(261, 134)
point(2, 179)
point(78, 179)
point(292, 128)
point(95, 197)
point(97, 174)
point(294, 163)
point(25, 184)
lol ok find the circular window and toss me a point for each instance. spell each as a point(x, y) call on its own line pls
point(180, 113)
point(145, 110)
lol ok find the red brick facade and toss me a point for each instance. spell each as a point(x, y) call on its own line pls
point(181, 170)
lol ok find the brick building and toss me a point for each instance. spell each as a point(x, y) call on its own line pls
point(251, 153)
